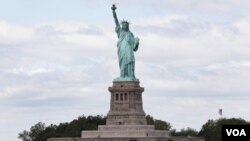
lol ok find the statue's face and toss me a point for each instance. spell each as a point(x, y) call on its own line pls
point(125, 26)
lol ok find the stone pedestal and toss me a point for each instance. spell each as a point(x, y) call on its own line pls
point(126, 117)
point(126, 106)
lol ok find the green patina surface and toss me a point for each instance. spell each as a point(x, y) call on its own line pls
point(127, 45)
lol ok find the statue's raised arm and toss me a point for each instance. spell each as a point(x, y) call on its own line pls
point(114, 15)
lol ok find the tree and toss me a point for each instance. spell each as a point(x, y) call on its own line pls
point(24, 136)
point(39, 132)
point(150, 120)
point(211, 130)
point(159, 124)
point(34, 134)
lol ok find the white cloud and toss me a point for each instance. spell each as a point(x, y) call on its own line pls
point(15, 34)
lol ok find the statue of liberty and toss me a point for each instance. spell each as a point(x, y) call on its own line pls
point(126, 45)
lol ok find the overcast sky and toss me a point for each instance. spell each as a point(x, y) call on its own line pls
point(58, 58)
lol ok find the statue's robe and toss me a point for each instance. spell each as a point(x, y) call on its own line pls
point(126, 45)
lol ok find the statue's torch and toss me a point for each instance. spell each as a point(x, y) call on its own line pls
point(113, 7)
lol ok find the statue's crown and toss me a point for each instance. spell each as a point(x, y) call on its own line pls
point(125, 21)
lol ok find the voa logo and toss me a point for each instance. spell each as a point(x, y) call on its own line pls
point(236, 132)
